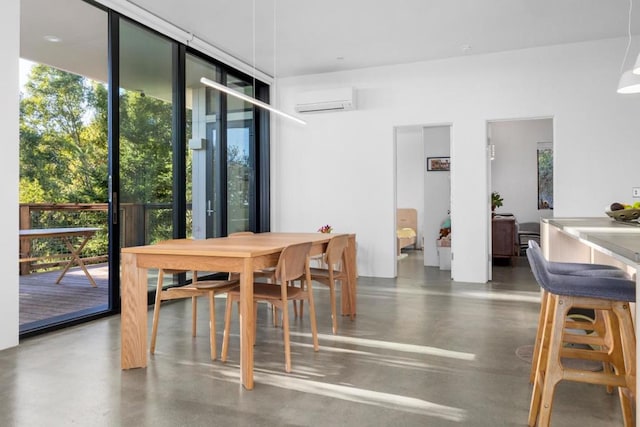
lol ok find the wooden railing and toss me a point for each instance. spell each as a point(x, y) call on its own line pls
point(136, 225)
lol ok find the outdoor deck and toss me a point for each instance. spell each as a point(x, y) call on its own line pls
point(41, 298)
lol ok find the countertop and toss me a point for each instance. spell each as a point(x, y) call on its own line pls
point(620, 238)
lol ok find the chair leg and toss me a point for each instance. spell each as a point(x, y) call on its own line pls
point(255, 321)
point(285, 332)
point(334, 317)
point(274, 314)
point(312, 316)
point(156, 312)
point(194, 315)
point(227, 328)
point(212, 324)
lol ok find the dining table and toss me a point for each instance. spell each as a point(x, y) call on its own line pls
point(242, 254)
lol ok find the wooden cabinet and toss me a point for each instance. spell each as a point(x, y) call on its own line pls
point(503, 237)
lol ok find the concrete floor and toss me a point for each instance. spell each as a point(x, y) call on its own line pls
point(423, 351)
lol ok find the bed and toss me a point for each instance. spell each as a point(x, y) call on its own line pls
point(407, 228)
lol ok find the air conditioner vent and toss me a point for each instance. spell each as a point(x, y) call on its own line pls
point(342, 99)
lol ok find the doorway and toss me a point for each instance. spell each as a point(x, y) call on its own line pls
point(520, 170)
point(424, 187)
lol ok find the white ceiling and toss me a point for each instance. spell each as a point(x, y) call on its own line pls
point(311, 35)
point(331, 35)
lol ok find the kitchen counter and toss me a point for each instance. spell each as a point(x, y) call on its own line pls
point(620, 240)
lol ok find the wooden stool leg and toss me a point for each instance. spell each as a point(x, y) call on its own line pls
point(628, 350)
point(553, 369)
point(536, 347)
point(541, 356)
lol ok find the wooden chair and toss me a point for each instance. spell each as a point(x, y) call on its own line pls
point(615, 346)
point(268, 273)
point(195, 289)
point(334, 272)
point(292, 265)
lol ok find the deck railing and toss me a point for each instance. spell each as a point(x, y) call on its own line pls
point(139, 224)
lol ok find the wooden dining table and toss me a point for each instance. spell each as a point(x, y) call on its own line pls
point(243, 254)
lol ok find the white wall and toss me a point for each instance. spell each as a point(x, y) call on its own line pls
point(437, 190)
point(10, 36)
point(347, 158)
point(514, 171)
point(409, 172)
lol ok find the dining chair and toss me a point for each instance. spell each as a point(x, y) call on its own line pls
point(293, 264)
point(193, 290)
point(268, 273)
point(333, 273)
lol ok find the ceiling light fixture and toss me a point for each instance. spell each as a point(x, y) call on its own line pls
point(629, 82)
point(249, 99)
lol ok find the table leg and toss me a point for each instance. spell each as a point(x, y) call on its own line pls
point(75, 258)
point(133, 317)
point(247, 324)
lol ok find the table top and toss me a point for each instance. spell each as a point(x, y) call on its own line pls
point(619, 238)
point(245, 246)
point(69, 231)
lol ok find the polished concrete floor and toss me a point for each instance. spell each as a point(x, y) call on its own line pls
point(423, 351)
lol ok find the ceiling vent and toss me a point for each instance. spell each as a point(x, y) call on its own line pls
point(342, 99)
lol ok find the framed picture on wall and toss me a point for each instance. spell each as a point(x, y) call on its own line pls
point(438, 164)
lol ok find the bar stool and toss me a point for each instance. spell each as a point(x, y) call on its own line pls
point(609, 296)
point(576, 269)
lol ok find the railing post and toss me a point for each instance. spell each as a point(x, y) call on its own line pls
point(25, 244)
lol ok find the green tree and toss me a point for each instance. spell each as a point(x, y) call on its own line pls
point(63, 144)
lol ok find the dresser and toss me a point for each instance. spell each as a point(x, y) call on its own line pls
point(504, 242)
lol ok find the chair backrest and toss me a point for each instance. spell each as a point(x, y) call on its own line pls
point(538, 265)
point(292, 262)
point(335, 249)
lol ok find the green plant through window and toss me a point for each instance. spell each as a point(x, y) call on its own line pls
point(545, 175)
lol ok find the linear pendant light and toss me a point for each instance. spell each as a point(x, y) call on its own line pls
point(249, 99)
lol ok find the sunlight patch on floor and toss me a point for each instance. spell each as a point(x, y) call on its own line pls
point(395, 346)
point(344, 392)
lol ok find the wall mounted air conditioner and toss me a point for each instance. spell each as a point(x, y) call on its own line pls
point(342, 99)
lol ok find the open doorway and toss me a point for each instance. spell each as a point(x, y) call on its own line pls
point(423, 188)
point(521, 184)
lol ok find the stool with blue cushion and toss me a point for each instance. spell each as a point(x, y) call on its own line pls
point(609, 296)
point(577, 269)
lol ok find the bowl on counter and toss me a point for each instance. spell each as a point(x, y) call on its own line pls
point(624, 214)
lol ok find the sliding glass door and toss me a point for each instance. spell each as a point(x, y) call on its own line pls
point(221, 131)
point(119, 137)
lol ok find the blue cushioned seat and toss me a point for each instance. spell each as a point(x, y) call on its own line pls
point(593, 286)
point(578, 268)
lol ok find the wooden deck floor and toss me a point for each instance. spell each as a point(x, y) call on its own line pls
point(41, 298)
